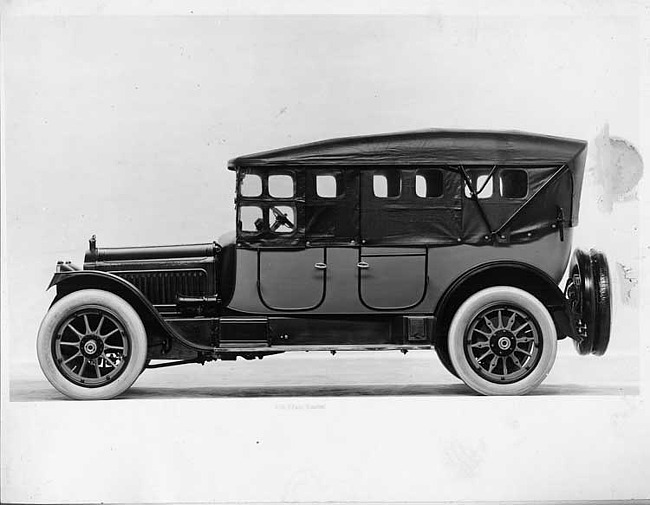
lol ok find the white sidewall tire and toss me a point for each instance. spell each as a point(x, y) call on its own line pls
point(133, 326)
point(464, 316)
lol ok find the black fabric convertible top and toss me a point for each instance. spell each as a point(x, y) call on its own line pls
point(551, 169)
point(422, 147)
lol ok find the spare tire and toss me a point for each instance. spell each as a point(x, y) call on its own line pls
point(589, 293)
point(581, 294)
point(603, 306)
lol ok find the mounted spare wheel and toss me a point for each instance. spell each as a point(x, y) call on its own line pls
point(588, 290)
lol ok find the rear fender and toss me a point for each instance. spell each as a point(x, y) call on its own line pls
point(68, 282)
point(508, 273)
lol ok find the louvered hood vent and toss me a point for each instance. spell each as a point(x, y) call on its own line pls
point(163, 287)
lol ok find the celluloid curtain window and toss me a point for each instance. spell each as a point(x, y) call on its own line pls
point(386, 185)
point(429, 183)
point(326, 186)
point(251, 185)
point(514, 183)
point(479, 181)
point(251, 217)
point(290, 216)
point(281, 186)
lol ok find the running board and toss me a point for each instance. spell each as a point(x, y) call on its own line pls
point(307, 348)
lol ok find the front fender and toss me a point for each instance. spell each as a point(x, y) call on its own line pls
point(68, 282)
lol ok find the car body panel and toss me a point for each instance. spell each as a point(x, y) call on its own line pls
point(444, 265)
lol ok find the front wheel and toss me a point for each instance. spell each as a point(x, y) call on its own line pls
point(92, 345)
point(502, 341)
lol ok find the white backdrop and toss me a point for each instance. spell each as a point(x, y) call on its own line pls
point(122, 126)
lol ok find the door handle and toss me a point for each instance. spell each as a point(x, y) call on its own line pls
point(320, 266)
point(363, 264)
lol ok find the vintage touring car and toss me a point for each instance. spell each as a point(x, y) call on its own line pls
point(447, 240)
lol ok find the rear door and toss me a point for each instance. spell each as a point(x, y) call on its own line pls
point(392, 278)
point(402, 211)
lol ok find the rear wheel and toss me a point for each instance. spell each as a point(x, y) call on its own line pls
point(92, 345)
point(502, 341)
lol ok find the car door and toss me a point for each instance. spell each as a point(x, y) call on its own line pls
point(292, 279)
point(271, 218)
point(392, 273)
point(392, 278)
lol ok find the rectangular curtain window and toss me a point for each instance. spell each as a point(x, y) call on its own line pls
point(386, 184)
point(514, 183)
point(251, 218)
point(326, 186)
point(281, 186)
point(429, 183)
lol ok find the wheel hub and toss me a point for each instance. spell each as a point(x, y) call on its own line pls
point(503, 343)
point(91, 347)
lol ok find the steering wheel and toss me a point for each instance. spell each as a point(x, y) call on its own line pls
point(280, 219)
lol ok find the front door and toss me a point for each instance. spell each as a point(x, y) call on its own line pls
point(292, 279)
point(271, 221)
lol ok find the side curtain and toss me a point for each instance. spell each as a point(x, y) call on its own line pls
point(433, 217)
